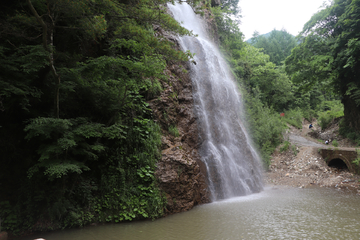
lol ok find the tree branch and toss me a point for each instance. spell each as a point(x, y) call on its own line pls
point(50, 57)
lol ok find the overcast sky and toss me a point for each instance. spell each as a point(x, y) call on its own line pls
point(267, 15)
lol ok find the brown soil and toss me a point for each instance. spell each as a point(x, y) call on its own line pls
point(302, 166)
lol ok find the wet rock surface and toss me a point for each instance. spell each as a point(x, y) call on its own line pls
point(180, 172)
point(302, 165)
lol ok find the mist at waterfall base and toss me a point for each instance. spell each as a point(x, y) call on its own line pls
point(233, 166)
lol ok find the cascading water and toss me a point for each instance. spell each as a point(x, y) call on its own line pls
point(233, 166)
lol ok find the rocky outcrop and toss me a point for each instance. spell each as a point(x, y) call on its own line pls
point(180, 173)
point(211, 27)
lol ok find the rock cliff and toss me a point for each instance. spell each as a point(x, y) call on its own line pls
point(180, 173)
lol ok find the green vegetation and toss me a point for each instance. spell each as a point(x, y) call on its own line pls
point(78, 142)
point(174, 131)
point(328, 56)
point(294, 149)
point(302, 77)
point(294, 117)
point(335, 143)
point(285, 146)
point(349, 132)
point(266, 88)
point(357, 160)
point(276, 44)
point(336, 110)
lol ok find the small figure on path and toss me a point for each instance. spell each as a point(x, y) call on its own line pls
point(327, 142)
point(310, 126)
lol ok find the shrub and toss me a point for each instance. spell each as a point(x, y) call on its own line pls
point(285, 147)
point(174, 131)
point(309, 114)
point(265, 125)
point(294, 149)
point(334, 109)
point(335, 143)
point(294, 117)
point(357, 160)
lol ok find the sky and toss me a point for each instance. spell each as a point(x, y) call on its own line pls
point(267, 15)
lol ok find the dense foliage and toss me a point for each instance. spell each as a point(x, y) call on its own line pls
point(78, 142)
point(276, 44)
point(328, 55)
point(269, 90)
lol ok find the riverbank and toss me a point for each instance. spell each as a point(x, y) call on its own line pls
point(302, 166)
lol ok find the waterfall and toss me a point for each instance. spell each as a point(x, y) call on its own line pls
point(233, 166)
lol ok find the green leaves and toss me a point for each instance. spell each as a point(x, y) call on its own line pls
point(310, 63)
point(146, 174)
point(329, 54)
point(94, 63)
point(58, 170)
point(66, 144)
point(277, 45)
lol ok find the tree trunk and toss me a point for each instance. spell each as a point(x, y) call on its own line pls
point(45, 36)
point(351, 113)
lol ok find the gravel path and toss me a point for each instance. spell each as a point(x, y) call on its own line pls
point(301, 141)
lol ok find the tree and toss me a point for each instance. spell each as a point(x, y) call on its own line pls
point(329, 54)
point(78, 142)
point(277, 44)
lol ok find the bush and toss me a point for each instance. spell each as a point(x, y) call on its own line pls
point(294, 117)
point(285, 147)
point(335, 143)
point(334, 109)
point(174, 131)
point(357, 160)
point(265, 126)
point(309, 114)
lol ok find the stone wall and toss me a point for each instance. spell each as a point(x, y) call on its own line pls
point(347, 156)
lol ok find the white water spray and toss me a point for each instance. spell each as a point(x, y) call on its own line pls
point(233, 166)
